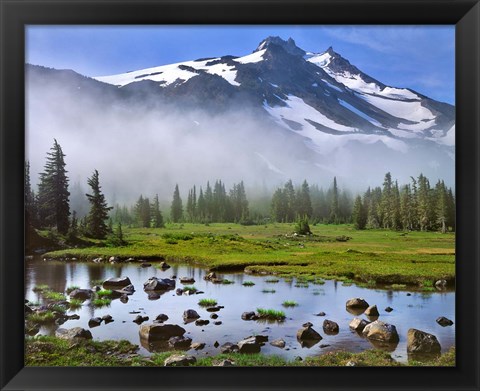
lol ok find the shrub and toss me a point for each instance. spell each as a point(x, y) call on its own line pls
point(302, 227)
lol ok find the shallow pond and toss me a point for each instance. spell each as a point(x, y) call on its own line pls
point(417, 310)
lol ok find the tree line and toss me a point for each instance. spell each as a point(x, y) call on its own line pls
point(413, 206)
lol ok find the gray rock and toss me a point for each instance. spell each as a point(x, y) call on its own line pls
point(217, 323)
point(107, 318)
point(381, 331)
point(214, 308)
point(73, 333)
point(187, 280)
point(158, 284)
point(422, 342)
point(156, 331)
point(197, 345)
point(127, 290)
point(97, 260)
point(213, 316)
point(249, 316)
point(229, 347)
point(441, 283)
point(114, 260)
point(180, 361)
point(358, 324)
point(307, 333)
point(388, 309)
point(190, 314)
point(225, 363)
point(356, 303)
point(372, 311)
point(210, 276)
point(115, 283)
point(139, 319)
point(180, 342)
point(201, 322)
point(330, 327)
point(320, 314)
point(94, 322)
point(249, 345)
point(279, 343)
point(164, 265)
point(444, 322)
point(81, 294)
point(162, 317)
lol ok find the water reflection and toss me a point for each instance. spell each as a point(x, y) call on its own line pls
point(416, 311)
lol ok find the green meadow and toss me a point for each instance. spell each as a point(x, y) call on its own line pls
point(333, 251)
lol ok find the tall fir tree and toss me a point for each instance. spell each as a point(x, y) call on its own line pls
point(176, 210)
point(53, 194)
point(96, 226)
point(334, 210)
point(359, 215)
point(157, 217)
point(304, 202)
point(30, 199)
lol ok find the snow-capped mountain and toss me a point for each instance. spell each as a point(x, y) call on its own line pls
point(279, 112)
point(317, 95)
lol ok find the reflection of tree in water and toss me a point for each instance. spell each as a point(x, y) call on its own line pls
point(389, 295)
point(95, 272)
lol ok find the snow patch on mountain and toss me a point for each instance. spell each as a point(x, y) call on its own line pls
point(419, 126)
point(412, 111)
point(251, 58)
point(270, 166)
point(359, 113)
point(297, 110)
point(448, 139)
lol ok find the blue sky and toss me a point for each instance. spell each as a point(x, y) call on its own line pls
point(418, 57)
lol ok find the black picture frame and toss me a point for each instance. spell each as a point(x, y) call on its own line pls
point(15, 14)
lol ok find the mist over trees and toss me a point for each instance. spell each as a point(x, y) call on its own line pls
point(412, 206)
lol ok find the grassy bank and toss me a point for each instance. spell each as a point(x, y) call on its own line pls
point(50, 351)
point(334, 251)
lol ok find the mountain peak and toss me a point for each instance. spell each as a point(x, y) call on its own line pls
point(289, 45)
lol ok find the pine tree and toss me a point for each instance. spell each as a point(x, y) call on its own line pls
point(96, 227)
point(441, 207)
point(176, 210)
point(425, 205)
point(304, 202)
point(451, 209)
point(143, 212)
point(279, 206)
point(53, 203)
point(387, 203)
point(334, 211)
point(29, 201)
point(157, 216)
point(359, 215)
point(201, 208)
point(290, 197)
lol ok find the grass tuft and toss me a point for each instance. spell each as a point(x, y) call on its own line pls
point(71, 288)
point(75, 304)
point(53, 296)
point(268, 291)
point(248, 283)
point(289, 303)
point(271, 314)
point(104, 302)
point(104, 293)
point(207, 302)
point(191, 289)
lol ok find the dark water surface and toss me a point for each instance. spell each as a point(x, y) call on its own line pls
point(420, 310)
